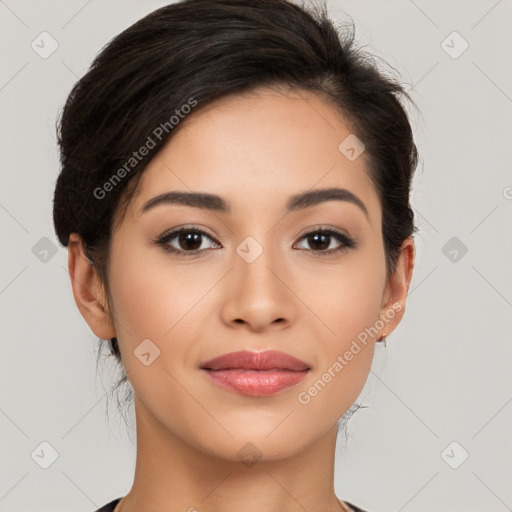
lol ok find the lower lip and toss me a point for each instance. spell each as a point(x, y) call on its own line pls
point(256, 382)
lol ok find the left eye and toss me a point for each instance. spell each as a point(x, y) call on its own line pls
point(323, 238)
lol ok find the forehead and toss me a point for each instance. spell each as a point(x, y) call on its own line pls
point(257, 150)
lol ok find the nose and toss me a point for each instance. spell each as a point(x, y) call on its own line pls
point(258, 296)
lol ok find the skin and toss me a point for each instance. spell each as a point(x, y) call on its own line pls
point(255, 150)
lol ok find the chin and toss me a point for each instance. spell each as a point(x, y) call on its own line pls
point(256, 445)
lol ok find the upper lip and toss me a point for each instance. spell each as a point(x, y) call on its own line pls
point(247, 360)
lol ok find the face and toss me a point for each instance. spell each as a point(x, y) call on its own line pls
point(309, 281)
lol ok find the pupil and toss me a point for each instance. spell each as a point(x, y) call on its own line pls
point(316, 238)
point(190, 238)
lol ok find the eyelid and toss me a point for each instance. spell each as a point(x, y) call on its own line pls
point(185, 227)
point(324, 227)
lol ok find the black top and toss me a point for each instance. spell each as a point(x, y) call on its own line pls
point(109, 507)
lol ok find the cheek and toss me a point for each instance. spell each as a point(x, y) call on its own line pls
point(158, 301)
point(153, 297)
point(348, 308)
point(346, 305)
point(345, 298)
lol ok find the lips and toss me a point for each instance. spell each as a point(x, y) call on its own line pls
point(256, 374)
point(246, 360)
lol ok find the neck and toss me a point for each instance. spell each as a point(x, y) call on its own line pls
point(173, 475)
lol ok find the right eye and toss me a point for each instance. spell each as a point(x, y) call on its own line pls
point(189, 240)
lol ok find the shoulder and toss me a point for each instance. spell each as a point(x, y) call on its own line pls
point(109, 507)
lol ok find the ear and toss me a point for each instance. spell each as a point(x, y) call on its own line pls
point(88, 290)
point(395, 294)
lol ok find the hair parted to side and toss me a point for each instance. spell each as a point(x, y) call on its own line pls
point(199, 51)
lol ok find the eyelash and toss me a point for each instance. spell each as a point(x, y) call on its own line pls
point(346, 242)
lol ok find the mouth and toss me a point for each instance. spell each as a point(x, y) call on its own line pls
point(256, 373)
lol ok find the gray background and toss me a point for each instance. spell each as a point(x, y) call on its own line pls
point(446, 373)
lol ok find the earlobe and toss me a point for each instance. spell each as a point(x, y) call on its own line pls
point(87, 290)
point(398, 287)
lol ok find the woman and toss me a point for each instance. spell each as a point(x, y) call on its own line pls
point(234, 196)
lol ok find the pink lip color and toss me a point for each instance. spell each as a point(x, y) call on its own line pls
point(256, 382)
point(256, 373)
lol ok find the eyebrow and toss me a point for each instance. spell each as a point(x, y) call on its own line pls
point(216, 203)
